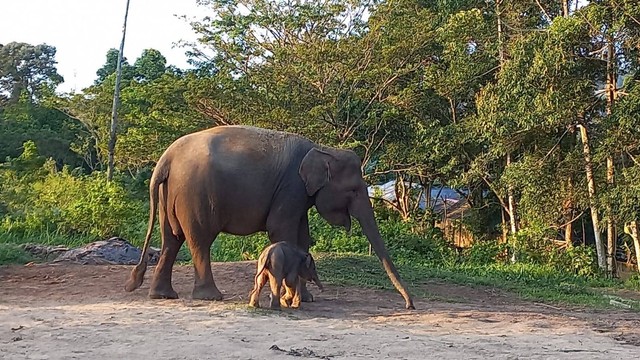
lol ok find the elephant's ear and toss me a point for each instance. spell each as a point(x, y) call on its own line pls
point(314, 170)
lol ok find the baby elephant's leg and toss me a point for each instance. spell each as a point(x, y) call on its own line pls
point(295, 302)
point(285, 300)
point(275, 283)
point(290, 290)
point(293, 286)
point(260, 280)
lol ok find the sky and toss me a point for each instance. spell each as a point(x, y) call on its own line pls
point(84, 30)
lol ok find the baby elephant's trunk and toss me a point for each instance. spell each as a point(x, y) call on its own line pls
point(318, 284)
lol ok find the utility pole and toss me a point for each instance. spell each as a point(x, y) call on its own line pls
point(116, 100)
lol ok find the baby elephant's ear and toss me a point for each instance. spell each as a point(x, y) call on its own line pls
point(307, 260)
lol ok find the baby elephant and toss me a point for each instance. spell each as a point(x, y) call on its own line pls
point(282, 261)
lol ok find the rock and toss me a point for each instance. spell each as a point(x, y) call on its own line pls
point(114, 251)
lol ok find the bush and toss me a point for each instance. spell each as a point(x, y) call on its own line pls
point(65, 202)
point(580, 260)
point(484, 253)
point(237, 248)
point(328, 238)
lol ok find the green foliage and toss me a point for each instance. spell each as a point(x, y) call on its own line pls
point(484, 253)
point(529, 281)
point(109, 68)
point(237, 248)
point(329, 238)
point(66, 202)
point(26, 68)
point(577, 259)
point(13, 254)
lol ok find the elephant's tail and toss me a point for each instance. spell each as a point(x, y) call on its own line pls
point(159, 176)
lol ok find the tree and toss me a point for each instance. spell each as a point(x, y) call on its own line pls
point(30, 68)
point(150, 65)
point(109, 68)
point(113, 133)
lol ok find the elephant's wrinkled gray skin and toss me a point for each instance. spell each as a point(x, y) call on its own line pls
point(241, 180)
point(283, 261)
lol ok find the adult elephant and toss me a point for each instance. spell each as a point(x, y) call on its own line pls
point(241, 180)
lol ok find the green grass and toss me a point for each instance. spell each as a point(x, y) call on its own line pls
point(11, 251)
point(13, 254)
point(530, 282)
point(43, 238)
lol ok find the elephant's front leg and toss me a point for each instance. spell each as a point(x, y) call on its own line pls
point(289, 223)
point(285, 300)
point(295, 302)
point(304, 243)
point(291, 288)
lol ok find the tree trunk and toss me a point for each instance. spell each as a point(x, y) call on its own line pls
point(512, 211)
point(568, 214)
point(499, 20)
point(633, 226)
point(505, 231)
point(565, 8)
point(611, 230)
point(501, 59)
point(512, 205)
point(568, 231)
point(611, 94)
point(116, 100)
point(602, 262)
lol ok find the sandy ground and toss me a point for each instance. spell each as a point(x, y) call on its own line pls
point(81, 312)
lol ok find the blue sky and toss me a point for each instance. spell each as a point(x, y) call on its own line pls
point(83, 30)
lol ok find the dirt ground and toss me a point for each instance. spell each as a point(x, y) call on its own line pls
point(82, 312)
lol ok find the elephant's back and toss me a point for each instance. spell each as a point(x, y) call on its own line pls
point(235, 168)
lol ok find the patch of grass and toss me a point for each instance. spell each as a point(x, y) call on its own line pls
point(530, 282)
point(13, 254)
point(43, 238)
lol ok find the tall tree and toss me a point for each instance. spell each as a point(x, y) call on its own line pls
point(150, 65)
point(116, 99)
point(110, 66)
point(26, 67)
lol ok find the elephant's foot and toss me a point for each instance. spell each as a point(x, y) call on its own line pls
point(254, 300)
point(274, 303)
point(305, 294)
point(295, 303)
point(206, 292)
point(284, 302)
point(163, 293)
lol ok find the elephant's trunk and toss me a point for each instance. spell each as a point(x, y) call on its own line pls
point(364, 214)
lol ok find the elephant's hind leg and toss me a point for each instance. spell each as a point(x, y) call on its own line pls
point(260, 280)
point(274, 299)
point(204, 287)
point(161, 284)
